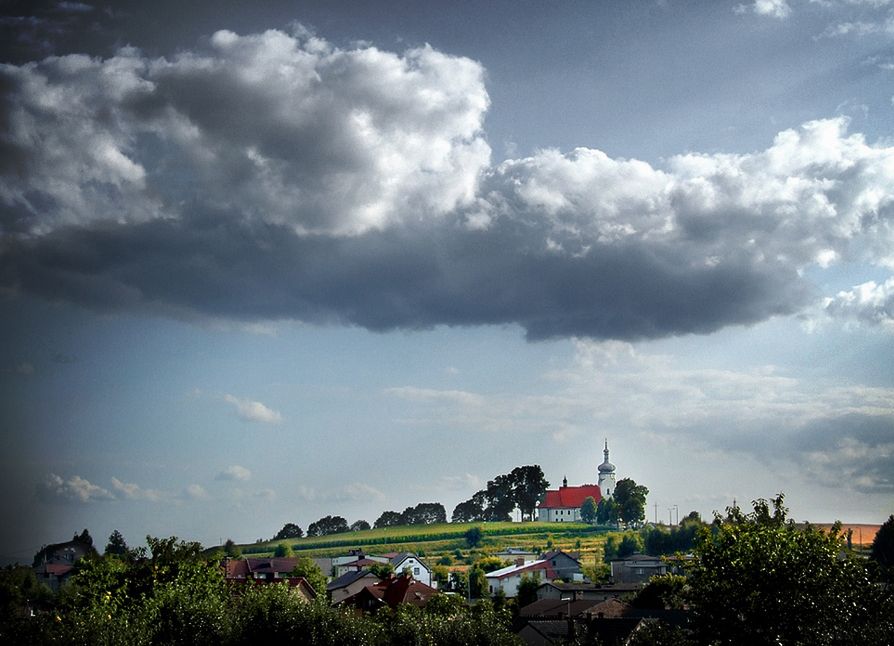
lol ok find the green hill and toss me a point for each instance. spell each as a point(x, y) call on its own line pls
point(434, 541)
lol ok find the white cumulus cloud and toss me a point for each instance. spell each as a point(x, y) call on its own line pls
point(869, 304)
point(772, 8)
point(253, 411)
point(133, 491)
point(74, 489)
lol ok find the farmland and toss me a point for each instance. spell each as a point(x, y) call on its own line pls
point(434, 541)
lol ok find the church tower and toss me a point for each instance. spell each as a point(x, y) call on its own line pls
point(606, 475)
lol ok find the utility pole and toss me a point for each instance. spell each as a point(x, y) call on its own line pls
point(677, 512)
point(656, 513)
point(670, 517)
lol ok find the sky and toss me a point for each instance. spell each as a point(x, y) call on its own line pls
point(265, 262)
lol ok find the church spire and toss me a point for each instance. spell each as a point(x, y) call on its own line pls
point(606, 474)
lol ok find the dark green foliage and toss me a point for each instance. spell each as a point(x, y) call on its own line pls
point(759, 579)
point(425, 513)
point(289, 530)
point(658, 541)
point(473, 537)
point(174, 599)
point(630, 499)
point(478, 583)
point(20, 593)
point(882, 551)
point(231, 549)
point(528, 487)
point(328, 525)
point(308, 568)
point(382, 570)
point(499, 499)
point(469, 511)
point(359, 526)
point(588, 510)
point(282, 550)
point(388, 519)
point(490, 563)
point(663, 592)
point(621, 547)
point(527, 589)
point(523, 487)
point(607, 512)
point(116, 545)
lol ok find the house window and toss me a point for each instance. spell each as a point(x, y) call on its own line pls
point(416, 571)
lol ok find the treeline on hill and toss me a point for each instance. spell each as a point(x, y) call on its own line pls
point(523, 487)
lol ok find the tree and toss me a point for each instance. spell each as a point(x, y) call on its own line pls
point(172, 551)
point(425, 513)
point(631, 501)
point(117, 546)
point(469, 511)
point(289, 530)
point(473, 536)
point(527, 589)
point(528, 487)
point(283, 550)
point(328, 525)
point(359, 526)
point(606, 512)
point(231, 549)
point(307, 568)
point(882, 551)
point(588, 510)
point(382, 570)
point(388, 519)
point(760, 579)
point(477, 583)
point(500, 499)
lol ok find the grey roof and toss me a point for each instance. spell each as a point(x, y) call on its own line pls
point(348, 578)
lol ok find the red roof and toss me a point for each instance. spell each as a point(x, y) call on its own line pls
point(391, 592)
point(570, 497)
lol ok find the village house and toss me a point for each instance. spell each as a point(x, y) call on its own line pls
point(551, 566)
point(350, 583)
point(391, 592)
point(54, 563)
point(357, 561)
point(637, 568)
point(594, 592)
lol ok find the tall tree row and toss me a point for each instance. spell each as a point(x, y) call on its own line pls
point(521, 488)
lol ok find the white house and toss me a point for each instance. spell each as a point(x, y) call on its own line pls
point(508, 578)
point(410, 562)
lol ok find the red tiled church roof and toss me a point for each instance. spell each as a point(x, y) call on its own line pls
point(568, 497)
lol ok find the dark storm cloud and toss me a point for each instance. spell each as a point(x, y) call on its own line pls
point(276, 176)
point(398, 278)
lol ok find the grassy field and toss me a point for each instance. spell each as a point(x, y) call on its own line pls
point(434, 541)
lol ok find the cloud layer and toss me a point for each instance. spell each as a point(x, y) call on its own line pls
point(274, 176)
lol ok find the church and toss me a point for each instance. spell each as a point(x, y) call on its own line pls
point(562, 505)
